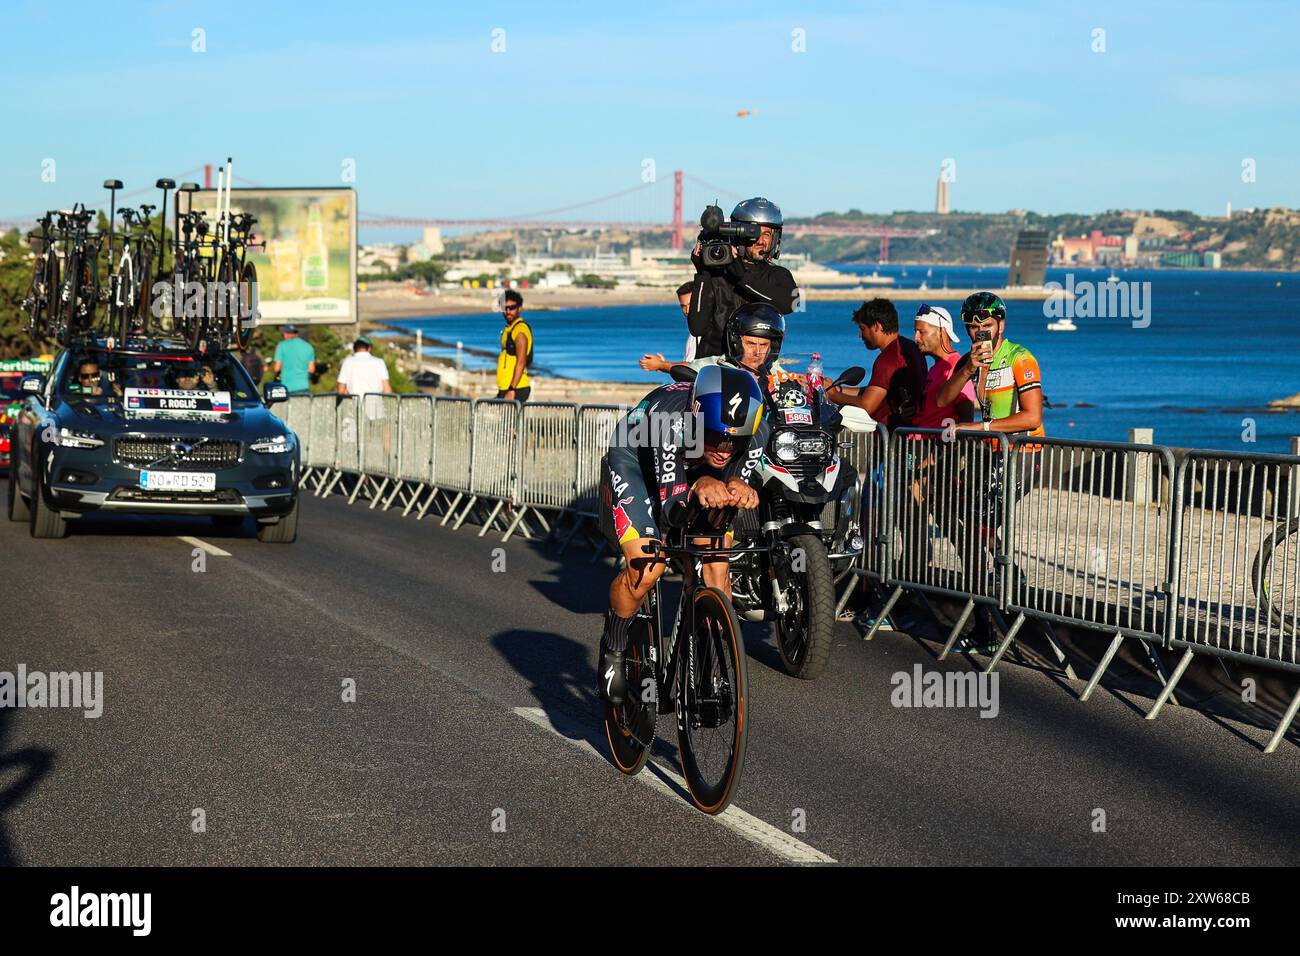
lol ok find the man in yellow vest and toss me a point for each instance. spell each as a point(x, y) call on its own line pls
point(516, 350)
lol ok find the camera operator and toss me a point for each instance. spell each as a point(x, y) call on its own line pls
point(724, 282)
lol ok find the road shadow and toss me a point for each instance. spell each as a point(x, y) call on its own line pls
point(20, 771)
point(563, 682)
point(160, 526)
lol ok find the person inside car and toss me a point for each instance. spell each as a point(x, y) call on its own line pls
point(187, 378)
point(89, 381)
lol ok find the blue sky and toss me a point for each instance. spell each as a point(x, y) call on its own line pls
point(439, 124)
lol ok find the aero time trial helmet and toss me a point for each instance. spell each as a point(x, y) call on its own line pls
point(729, 404)
point(758, 320)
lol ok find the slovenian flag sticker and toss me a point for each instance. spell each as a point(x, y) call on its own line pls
point(134, 401)
point(221, 402)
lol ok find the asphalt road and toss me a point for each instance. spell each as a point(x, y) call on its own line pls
point(475, 735)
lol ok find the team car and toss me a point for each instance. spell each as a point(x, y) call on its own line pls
point(156, 429)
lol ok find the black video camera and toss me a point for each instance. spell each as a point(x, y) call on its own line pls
point(717, 236)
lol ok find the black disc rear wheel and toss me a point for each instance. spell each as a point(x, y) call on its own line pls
point(712, 712)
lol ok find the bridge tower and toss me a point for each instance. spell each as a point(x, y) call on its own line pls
point(677, 209)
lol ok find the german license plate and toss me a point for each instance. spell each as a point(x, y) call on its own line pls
point(178, 481)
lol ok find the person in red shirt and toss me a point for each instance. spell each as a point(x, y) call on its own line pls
point(934, 335)
point(897, 386)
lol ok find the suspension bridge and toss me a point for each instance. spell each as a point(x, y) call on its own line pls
point(652, 205)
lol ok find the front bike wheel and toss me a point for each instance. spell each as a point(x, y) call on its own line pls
point(712, 712)
point(630, 727)
point(1276, 575)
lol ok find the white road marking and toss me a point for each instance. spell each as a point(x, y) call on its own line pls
point(210, 548)
point(733, 818)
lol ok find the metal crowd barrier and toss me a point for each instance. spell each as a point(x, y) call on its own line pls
point(324, 437)
point(453, 441)
point(379, 444)
point(548, 462)
point(347, 443)
point(595, 429)
point(414, 450)
point(494, 468)
point(297, 418)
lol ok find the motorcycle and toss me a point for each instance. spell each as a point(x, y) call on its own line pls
point(807, 521)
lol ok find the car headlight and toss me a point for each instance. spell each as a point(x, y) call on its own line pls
point(78, 439)
point(786, 446)
point(275, 445)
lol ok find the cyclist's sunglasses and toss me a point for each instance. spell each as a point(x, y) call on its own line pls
point(510, 307)
point(980, 315)
point(925, 310)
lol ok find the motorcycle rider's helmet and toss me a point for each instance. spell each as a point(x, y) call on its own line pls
point(765, 213)
point(756, 319)
point(982, 305)
point(729, 404)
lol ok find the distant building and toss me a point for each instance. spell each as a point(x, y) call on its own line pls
point(1075, 249)
point(1181, 260)
point(941, 195)
point(1131, 248)
point(1228, 212)
point(1212, 260)
point(1028, 258)
point(433, 240)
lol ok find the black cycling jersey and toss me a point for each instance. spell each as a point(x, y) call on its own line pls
point(658, 431)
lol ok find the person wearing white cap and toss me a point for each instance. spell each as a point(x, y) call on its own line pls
point(934, 334)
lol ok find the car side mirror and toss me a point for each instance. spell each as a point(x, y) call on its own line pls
point(33, 384)
point(850, 376)
point(275, 392)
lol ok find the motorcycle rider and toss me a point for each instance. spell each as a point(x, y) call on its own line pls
point(751, 277)
point(753, 338)
point(683, 458)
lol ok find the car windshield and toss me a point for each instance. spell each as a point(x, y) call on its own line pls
point(101, 376)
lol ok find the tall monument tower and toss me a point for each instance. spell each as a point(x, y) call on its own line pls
point(941, 195)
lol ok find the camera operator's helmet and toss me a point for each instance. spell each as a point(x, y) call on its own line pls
point(982, 305)
point(765, 213)
point(757, 319)
point(729, 404)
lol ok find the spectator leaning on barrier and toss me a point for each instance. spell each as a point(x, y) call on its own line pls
point(897, 385)
point(516, 350)
point(656, 362)
point(1008, 382)
point(934, 335)
point(295, 361)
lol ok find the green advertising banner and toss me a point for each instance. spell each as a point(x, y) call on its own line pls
point(307, 271)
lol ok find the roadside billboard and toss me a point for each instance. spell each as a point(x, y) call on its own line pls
point(307, 271)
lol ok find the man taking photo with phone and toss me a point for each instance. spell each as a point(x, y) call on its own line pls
point(1008, 382)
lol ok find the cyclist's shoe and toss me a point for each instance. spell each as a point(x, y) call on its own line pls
point(613, 679)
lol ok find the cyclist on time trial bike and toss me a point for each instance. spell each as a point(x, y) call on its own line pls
point(682, 458)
